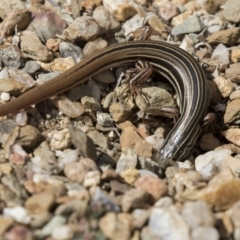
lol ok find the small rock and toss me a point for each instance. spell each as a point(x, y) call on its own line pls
point(92, 178)
point(98, 139)
point(233, 72)
point(29, 136)
point(130, 139)
point(140, 217)
point(106, 76)
point(168, 224)
point(5, 224)
point(32, 47)
point(232, 135)
point(202, 216)
point(225, 87)
point(121, 10)
point(83, 142)
point(190, 25)
point(235, 55)
point(156, 187)
point(113, 228)
point(209, 233)
point(231, 11)
point(109, 203)
point(62, 232)
point(232, 112)
point(134, 198)
point(232, 163)
point(68, 49)
point(228, 36)
point(168, 10)
point(90, 103)
point(83, 28)
point(76, 171)
point(69, 108)
point(93, 46)
point(127, 160)
point(104, 119)
point(119, 112)
point(130, 176)
point(106, 20)
point(47, 24)
point(16, 18)
point(60, 140)
point(40, 203)
point(222, 185)
point(18, 213)
point(31, 67)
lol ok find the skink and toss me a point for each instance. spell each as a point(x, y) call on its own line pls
point(173, 63)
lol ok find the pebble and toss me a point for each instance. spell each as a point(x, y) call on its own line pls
point(221, 53)
point(231, 11)
point(18, 214)
point(15, 61)
point(92, 178)
point(235, 55)
point(114, 228)
point(130, 139)
point(105, 19)
point(98, 139)
point(69, 108)
point(33, 48)
point(121, 10)
point(105, 77)
point(31, 67)
point(134, 198)
point(83, 142)
point(210, 233)
point(29, 136)
point(89, 103)
point(119, 112)
point(202, 217)
point(211, 157)
point(56, 221)
point(83, 28)
point(71, 50)
point(47, 24)
point(167, 223)
point(130, 176)
point(100, 197)
point(225, 86)
point(40, 203)
point(94, 45)
point(127, 160)
point(11, 86)
point(232, 112)
point(168, 10)
point(60, 140)
point(228, 36)
point(62, 232)
point(104, 119)
point(5, 224)
point(156, 187)
point(190, 25)
point(232, 72)
point(232, 135)
point(76, 171)
point(156, 96)
point(19, 18)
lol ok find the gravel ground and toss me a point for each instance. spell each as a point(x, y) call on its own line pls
point(84, 164)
